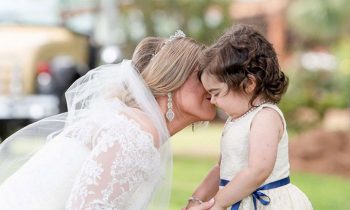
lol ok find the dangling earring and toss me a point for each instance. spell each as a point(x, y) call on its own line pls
point(192, 127)
point(170, 114)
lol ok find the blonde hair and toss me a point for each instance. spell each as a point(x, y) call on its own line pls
point(166, 65)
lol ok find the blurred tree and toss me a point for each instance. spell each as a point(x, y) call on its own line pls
point(319, 21)
point(203, 20)
point(342, 52)
point(310, 94)
point(320, 26)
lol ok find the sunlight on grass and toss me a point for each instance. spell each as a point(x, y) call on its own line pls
point(324, 191)
point(204, 140)
point(188, 173)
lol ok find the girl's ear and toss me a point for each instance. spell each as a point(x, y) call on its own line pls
point(251, 84)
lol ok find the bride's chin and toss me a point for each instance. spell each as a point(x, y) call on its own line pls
point(210, 113)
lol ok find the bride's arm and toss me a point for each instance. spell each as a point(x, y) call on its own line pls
point(116, 167)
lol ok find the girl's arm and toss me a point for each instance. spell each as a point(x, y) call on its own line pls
point(265, 132)
point(209, 186)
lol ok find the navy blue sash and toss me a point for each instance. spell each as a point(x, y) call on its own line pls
point(257, 195)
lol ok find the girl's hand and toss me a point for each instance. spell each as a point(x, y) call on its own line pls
point(204, 206)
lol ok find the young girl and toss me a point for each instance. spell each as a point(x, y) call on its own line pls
point(242, 74)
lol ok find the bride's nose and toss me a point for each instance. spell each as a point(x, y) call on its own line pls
point(213, 100)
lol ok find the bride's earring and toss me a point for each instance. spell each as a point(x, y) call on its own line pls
point(170, 114)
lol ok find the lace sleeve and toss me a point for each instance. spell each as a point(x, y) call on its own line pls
point(121, 161)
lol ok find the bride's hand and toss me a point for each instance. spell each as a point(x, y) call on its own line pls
point(204, 206)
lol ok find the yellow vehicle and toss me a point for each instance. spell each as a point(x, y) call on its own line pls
point(45, 45)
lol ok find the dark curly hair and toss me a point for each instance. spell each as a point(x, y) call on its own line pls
point(241, 54)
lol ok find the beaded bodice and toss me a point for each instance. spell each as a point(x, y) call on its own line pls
point(235, 147)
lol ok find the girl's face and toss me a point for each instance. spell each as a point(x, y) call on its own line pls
point(194, 101)
point(234, 103)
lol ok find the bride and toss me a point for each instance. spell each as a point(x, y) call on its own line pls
point(111, 150)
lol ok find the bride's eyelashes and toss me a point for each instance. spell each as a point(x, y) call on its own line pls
point(215, 94)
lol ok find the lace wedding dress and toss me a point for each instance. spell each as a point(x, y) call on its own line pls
point(104, 157)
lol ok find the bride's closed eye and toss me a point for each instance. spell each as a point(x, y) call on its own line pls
point(215, 93)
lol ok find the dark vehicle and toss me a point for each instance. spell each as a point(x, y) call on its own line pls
point(45, 45)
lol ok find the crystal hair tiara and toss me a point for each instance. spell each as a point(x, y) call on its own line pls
point(177, 34)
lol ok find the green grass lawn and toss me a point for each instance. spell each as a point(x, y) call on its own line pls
point(195, 153)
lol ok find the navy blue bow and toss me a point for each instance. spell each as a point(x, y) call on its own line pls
point(257, 194)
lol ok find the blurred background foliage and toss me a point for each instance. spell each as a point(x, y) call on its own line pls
point(311, 93)
point(322, 28)
point(320, 21)
point(203, 20)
